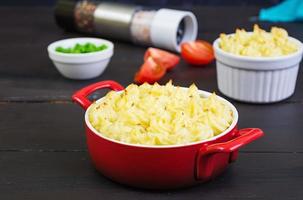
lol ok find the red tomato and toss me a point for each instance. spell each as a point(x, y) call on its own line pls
point(150, 72)
point(163, 58)
point(197, 52)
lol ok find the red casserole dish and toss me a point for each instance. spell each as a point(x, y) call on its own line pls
point(162, 167)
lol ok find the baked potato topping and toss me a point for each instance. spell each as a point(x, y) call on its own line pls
point(258, 43)
point(159, 115)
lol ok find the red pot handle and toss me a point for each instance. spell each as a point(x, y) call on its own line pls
point(206, 165)
point(80, 96)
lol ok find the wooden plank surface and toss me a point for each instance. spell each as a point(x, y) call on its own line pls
point(27, 74)
point(42, 143)
point(59, 127)
point(69, 175)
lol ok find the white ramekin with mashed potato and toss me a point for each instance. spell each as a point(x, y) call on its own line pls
point(258, 66)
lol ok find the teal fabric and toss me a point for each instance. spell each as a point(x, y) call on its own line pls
point(287, 11)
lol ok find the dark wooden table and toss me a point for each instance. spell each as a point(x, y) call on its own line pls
point(42, 145)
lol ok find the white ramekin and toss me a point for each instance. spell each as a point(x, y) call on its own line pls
point(257, 79)
point(80, 66)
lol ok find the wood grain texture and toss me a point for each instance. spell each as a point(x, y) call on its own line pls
point(59, 127)
point(42, 144)
point(27, 74)
point(69, 175)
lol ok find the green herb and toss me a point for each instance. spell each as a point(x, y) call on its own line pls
point(82, 48)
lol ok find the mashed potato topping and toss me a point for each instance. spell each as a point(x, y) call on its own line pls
point(259, 43)
point(159, 115)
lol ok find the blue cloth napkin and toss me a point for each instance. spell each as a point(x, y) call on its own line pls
point(287, 11)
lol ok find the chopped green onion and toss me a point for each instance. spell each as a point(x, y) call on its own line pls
point(82, 48)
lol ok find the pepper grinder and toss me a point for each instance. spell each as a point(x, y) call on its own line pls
point(163, 28)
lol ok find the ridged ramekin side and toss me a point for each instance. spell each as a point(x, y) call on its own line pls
point(256, 86)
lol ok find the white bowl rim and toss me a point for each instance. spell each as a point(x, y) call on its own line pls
point(104, 54)
point(202, 93)
point(257, 59)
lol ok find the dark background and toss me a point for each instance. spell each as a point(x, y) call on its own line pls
point(187, 3)
point(43, 154)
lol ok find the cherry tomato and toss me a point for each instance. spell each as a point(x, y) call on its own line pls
point(149, 72)
point(163, 58)
point(197, 52)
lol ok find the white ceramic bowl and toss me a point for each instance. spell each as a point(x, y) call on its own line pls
point(257, 79)
point(80, 66)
